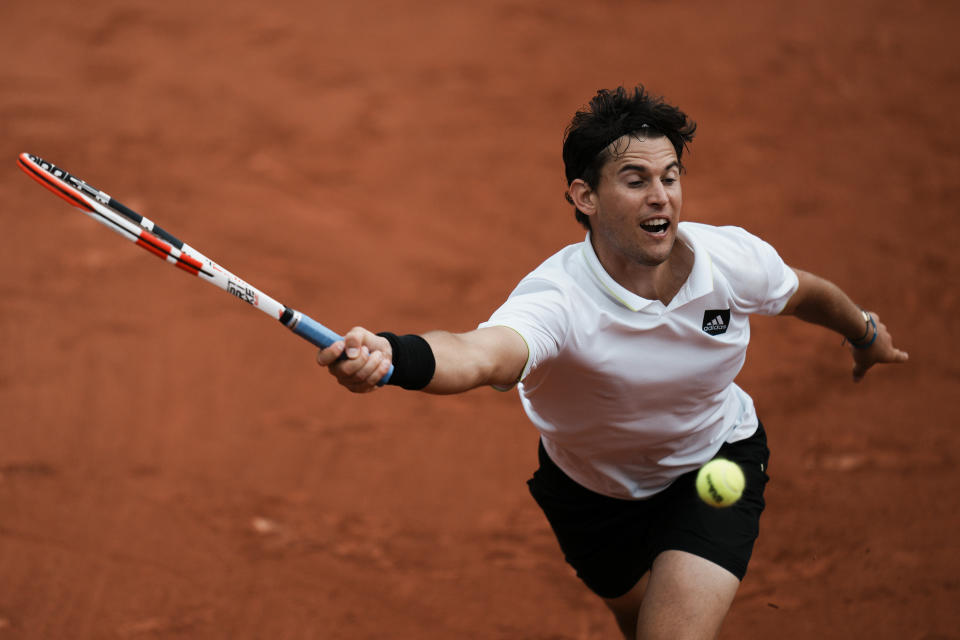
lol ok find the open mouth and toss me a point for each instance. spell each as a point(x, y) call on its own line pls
point(655, 225)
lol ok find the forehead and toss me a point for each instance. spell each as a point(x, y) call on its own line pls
point(652, 153)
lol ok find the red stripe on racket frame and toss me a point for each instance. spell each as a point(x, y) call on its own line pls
point(56, 187)
point(153, 244)
point(162, 250)
point(190, 265)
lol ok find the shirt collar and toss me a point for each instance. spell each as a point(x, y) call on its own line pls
point(699, 282)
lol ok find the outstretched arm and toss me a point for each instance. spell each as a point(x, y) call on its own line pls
point(488, 356)
point(824, 303)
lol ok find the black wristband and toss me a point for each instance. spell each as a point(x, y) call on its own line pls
point(413, 361)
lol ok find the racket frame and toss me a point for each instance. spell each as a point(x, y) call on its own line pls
point(143, 232)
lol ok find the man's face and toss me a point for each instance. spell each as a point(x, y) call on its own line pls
point(638, 201)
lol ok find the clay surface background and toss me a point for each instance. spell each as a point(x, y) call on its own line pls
point(174, 465)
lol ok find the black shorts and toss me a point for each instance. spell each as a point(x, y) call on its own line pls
point(612, 542)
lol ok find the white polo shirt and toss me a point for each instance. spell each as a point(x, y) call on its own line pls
point(629, 393)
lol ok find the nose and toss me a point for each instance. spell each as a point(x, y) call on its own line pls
point(657, 194)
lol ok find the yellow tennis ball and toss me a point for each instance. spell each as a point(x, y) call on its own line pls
point(720, 482)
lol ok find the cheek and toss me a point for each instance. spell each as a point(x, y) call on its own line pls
point(677, 199)
point(617, 203)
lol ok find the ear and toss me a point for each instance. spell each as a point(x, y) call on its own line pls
point(583, 196)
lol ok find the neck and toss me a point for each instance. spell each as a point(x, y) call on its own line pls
point(654, 282)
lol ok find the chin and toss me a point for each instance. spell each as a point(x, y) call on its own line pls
point(659, 255)
point(652, 261)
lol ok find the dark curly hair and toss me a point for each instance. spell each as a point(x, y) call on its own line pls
point(610, 115)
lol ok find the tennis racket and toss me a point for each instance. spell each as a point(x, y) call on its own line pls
point(145, 233)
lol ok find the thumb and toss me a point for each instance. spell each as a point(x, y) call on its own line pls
point(859, 370)
point(352, 341)
point(326, 357)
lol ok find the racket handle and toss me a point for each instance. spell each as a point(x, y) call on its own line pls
point(317, 334)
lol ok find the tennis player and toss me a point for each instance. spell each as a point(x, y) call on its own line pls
point(624, 349)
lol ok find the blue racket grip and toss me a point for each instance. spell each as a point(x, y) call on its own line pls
point(317, 334)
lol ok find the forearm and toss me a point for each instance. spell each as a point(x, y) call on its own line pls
point(435, 362)
point(485, 357)
point(821, 302)
point(824, 303)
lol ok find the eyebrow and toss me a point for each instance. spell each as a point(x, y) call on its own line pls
point(639, 168)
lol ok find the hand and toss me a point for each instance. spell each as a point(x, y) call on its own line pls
point(368, 358)
point(881, 351)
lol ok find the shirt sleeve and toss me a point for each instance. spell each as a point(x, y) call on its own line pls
point(760, 280)
point(537, 309)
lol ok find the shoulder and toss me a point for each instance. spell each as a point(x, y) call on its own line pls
point(731, 247)
point(542, 305)
point(559, 272)
point(724, 240)
point(756, 274)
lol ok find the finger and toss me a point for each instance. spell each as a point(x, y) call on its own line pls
point(365, 379)
point(364, 388)
point(369, 360)
point(353, 340)
point(385, 367)
point(859, 370)
point(893, 355)
point(354, 363)
point(326, 357)
point(357, 387)
point(897, 355)
point(375, 368)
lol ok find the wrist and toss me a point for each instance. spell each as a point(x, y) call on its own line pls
point(413, 361)
point(869, 334)
point(866, 327)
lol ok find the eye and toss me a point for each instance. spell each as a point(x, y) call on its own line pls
point(636, 183)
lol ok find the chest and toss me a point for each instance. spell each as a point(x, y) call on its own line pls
point(689, 352)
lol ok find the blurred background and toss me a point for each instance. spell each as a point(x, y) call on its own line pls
point(173, 464)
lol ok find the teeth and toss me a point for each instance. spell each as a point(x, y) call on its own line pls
point(655, 225)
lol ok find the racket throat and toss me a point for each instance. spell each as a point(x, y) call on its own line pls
point(289, 318)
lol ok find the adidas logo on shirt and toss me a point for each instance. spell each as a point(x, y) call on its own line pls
point(715, 321)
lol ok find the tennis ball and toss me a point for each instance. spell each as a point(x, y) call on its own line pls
point(720, 482)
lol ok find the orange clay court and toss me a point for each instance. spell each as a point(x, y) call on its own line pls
point(175, 465)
